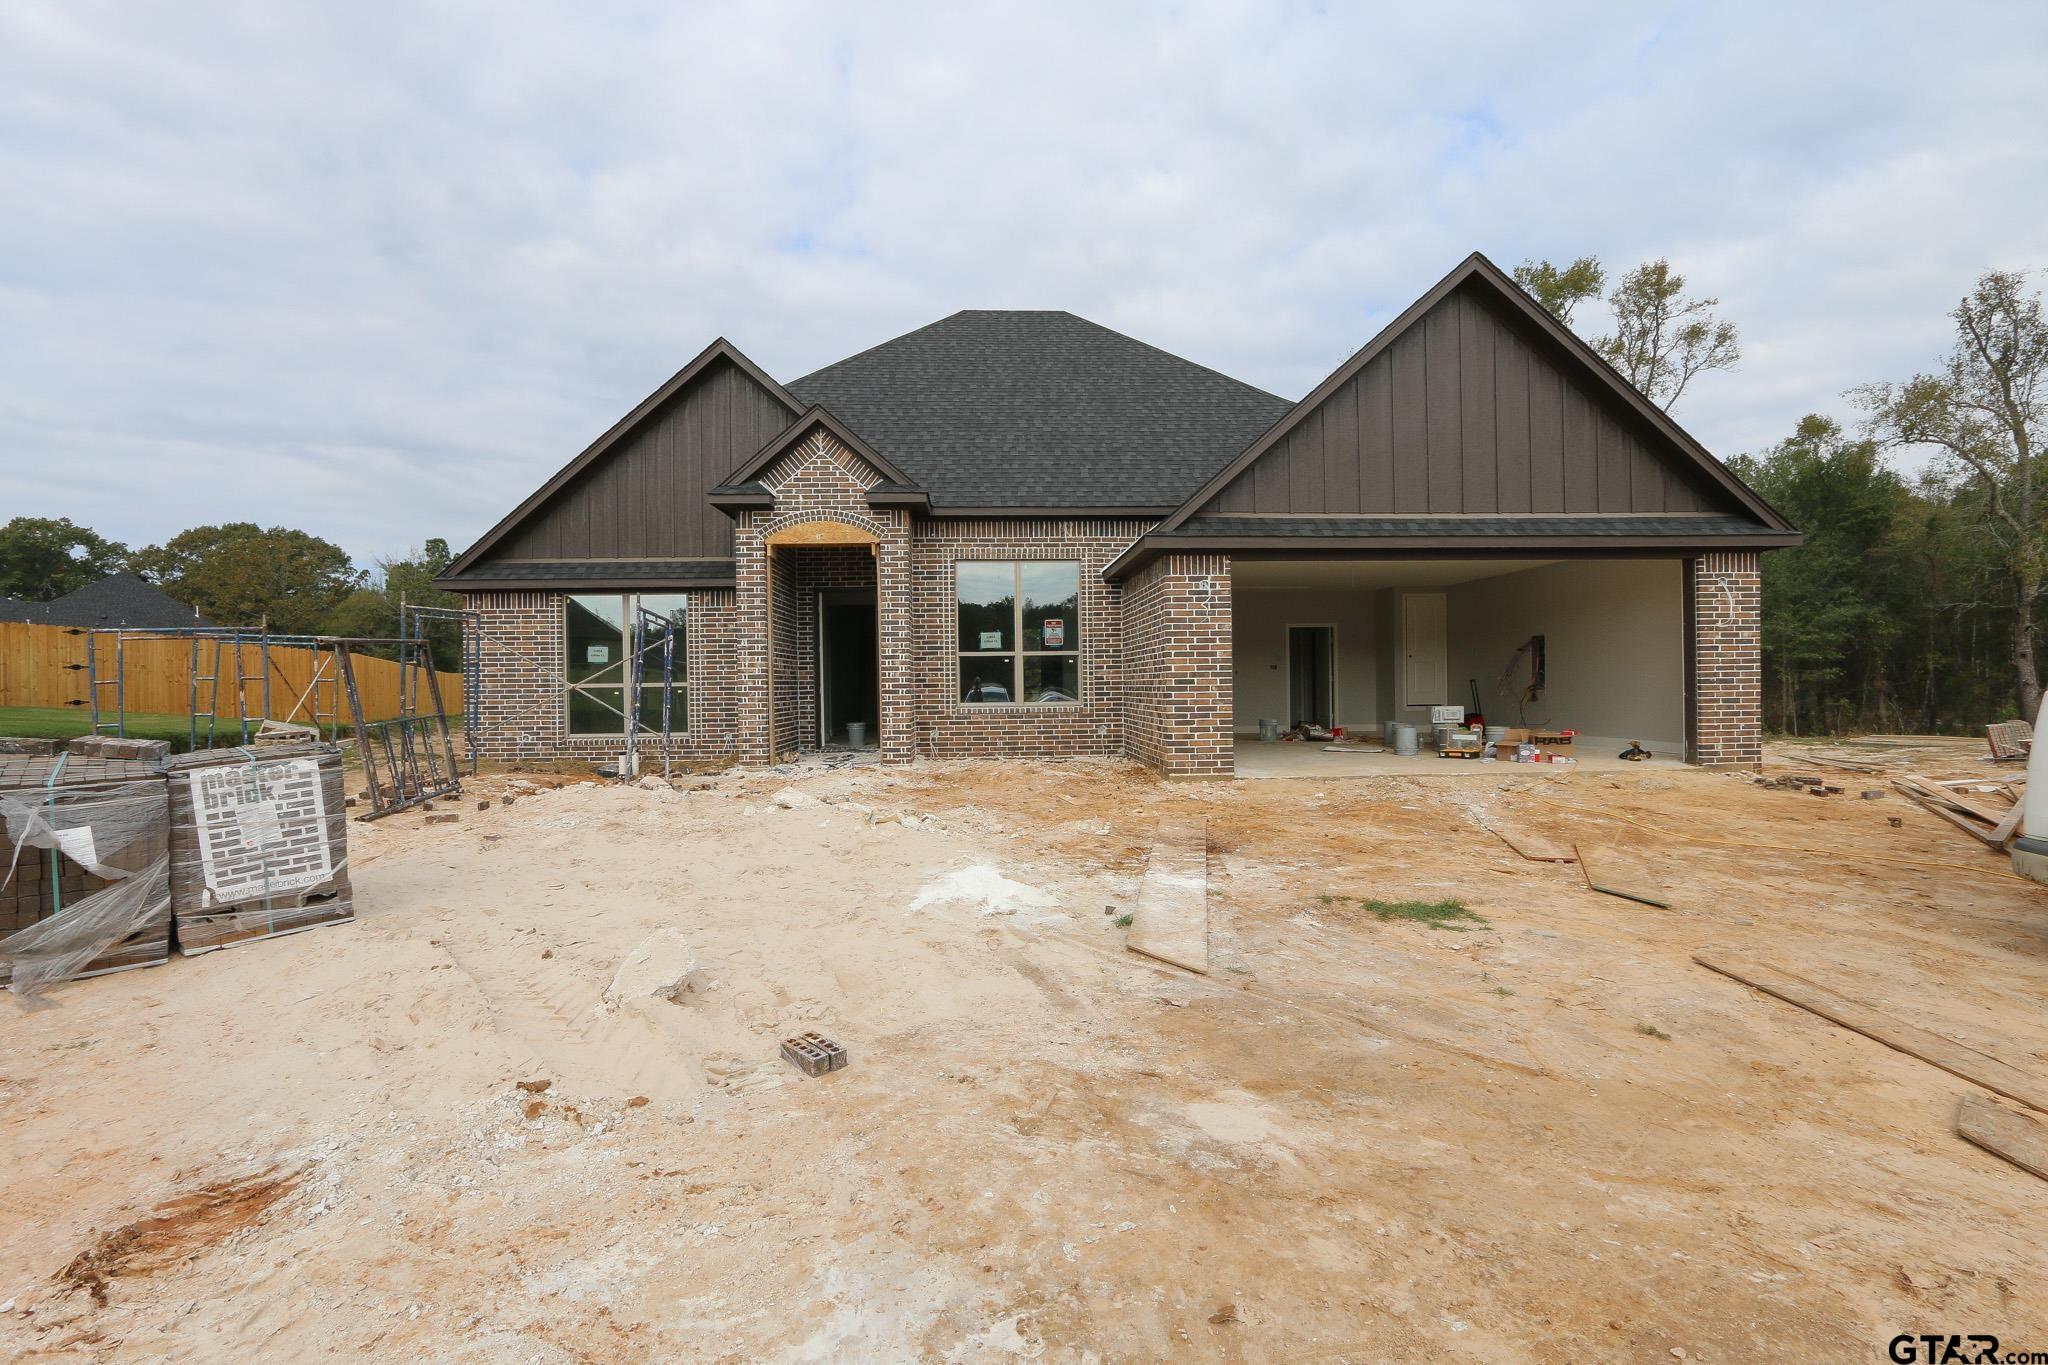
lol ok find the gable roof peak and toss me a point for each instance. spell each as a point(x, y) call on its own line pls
point(1476, 267)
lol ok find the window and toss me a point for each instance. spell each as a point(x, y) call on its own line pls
point(1020, 632)
point(599, 667)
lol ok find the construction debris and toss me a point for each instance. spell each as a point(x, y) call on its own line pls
point(2010, 741)
point(1533, 847)
point(1171, 919)
point(813, 1054)
point(1979, 1068)
point(1988, 811)
point(1615, 876)
point(2018, 1137)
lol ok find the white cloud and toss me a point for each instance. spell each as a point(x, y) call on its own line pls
point(375, 272)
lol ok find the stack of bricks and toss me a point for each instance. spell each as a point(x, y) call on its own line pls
point(1725, 607)
point(277, 832)
point(119, 746)
point(125, 806)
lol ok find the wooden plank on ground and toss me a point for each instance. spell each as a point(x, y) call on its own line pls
point(1958, 1059)
point(1534, 847)
point(1614, 876)
point(1171, 919)
point(2019, 1138)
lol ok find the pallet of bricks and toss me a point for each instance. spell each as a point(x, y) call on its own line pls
point(259, 842)
point(84, 865)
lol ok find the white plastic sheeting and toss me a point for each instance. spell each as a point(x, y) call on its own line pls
point(118, 832)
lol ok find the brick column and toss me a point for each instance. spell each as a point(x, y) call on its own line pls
point(895, 620)
point(750, 628)
point(1177, 684)
point(1724, 616)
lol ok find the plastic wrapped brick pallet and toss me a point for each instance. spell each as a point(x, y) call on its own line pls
point(259, 843)
point(84, 868)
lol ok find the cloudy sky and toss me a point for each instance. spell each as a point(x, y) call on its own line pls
point(376, 271)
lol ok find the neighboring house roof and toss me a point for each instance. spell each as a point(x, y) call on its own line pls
point(121, 599)
point(1020, 410)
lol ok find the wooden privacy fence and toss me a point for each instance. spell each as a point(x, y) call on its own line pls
point(45, 666)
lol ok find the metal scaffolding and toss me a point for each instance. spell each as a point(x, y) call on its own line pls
point(413, 623)
point(218, 659)
point(408, 759)
point(651, 633)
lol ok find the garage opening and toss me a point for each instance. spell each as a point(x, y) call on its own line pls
point(1592, 646)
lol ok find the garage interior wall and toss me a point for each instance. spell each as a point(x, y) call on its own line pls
point(1259, 622)
point(1614, 636)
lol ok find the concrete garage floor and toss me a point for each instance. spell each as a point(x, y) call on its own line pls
point(1306, 758)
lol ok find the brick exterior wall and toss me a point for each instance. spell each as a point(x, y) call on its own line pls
point(1177, 711)
point(948, 728)
point(817, 480)
point(1724, 613)
point(524, 714)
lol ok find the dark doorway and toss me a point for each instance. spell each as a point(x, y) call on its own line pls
point(848, 666)
point(1308, 675)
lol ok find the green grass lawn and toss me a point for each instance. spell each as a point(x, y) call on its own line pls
point(63, 722)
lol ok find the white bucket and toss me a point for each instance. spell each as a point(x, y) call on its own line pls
point(856, 734)
point(1269, 730)
point(1404, 741)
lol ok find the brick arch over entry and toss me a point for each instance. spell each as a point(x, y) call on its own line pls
point(817, 531)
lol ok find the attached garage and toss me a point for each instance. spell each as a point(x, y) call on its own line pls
point(1595, 645)
point(1474, 501)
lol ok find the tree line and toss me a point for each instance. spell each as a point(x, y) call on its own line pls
point(240, 574)
point(1916, 602)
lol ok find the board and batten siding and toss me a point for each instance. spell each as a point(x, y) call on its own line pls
point(646, 498)
point(1468, 412)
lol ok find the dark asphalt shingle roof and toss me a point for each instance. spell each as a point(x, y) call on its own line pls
point(120, 599)
point(1041, 409)
point(1310, 528)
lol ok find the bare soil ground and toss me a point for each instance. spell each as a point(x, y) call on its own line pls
point(1551, 1138)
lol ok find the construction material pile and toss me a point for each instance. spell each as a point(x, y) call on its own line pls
point(1986, 809)
point(84, 868)
point(259, 843)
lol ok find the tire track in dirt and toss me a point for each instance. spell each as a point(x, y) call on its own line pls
point(557, 1015)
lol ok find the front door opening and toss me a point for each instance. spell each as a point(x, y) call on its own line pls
point(1309, 655)
point(848, 666)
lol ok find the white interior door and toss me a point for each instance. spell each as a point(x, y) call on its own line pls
point(1422, 643)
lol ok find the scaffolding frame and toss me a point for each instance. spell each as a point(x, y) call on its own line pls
point(413, 620)
point(209, 648)
point(650, 631)
point(416, 749)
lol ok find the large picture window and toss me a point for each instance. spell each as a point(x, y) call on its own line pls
point(1019, 632)
point(598, 634)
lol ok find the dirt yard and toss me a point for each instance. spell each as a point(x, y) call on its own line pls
point(528, 1106)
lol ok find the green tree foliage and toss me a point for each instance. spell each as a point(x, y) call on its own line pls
point(1562, 289)
point(372, 611)
point(1661, 340)
point(242, 574)
point(1982, 411)
point(1829, 606)
point(46, 557)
